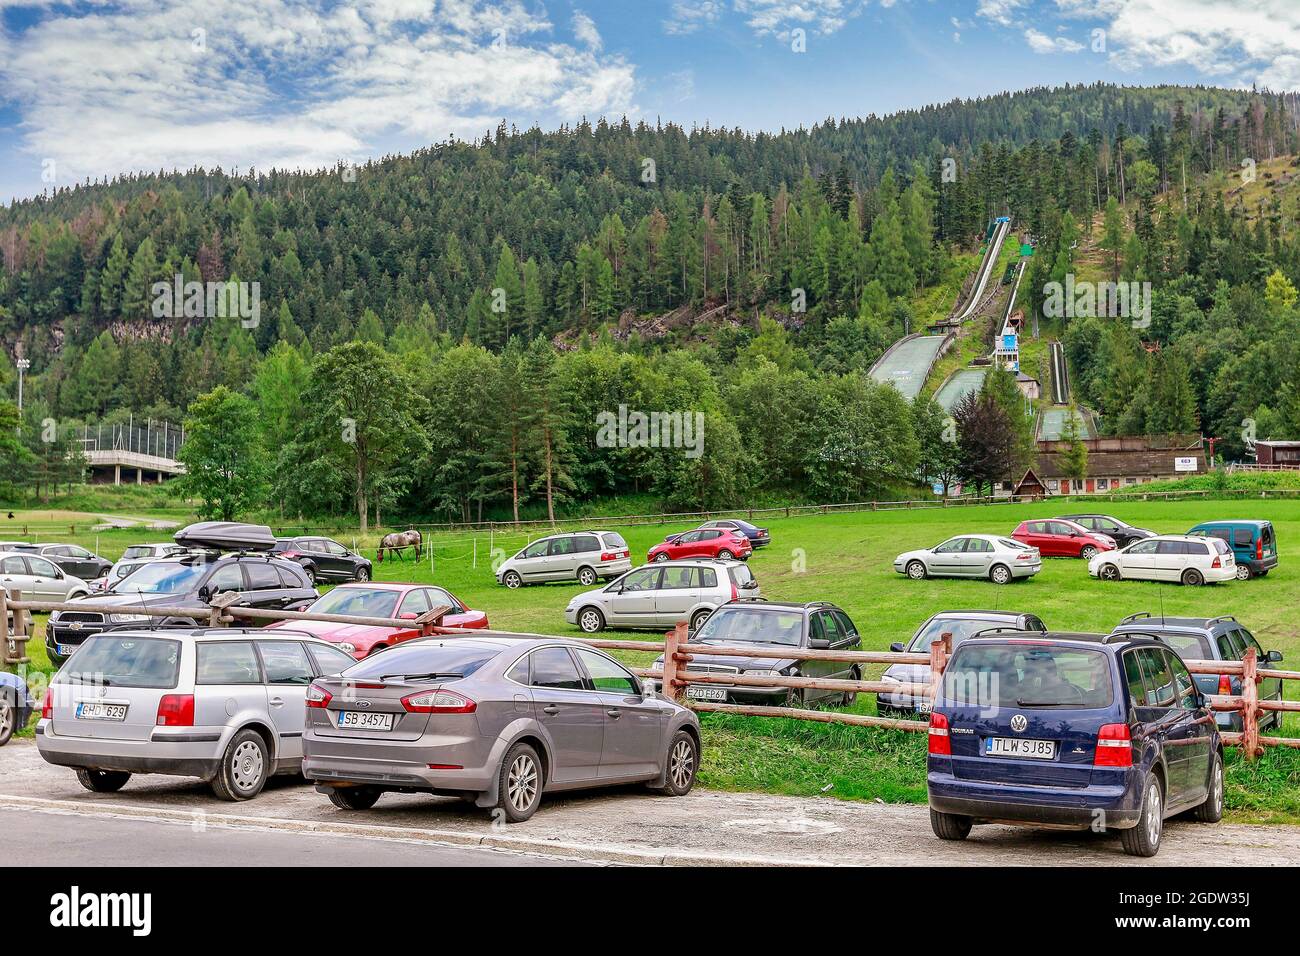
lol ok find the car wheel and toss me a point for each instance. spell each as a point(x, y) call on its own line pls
point(519, 789)
point(587, 577)
point(949, 826)
point(1088, 552)
point(851, 696)
point(102, 781)
point(1243, 572)
point(1144, 839)
point(1000, 574)
point(683, 762)
point(700, 617)
point(8, 721)
point(661, 556)
point(794, 697)
point(512, 580)
point(1211, 811)
point(1192, 577)
point(1108, 572)
point(725, 555)
point(591, 620)
point(363, 574)
point(354, 798)
point(244, 767)
point(916, 570)
point(311, 574)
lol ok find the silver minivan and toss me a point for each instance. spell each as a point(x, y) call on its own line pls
point(663, 593)
point(38, 578)
point(223, 704)
point(582, 556)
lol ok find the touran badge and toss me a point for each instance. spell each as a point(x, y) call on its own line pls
point(1019, 723)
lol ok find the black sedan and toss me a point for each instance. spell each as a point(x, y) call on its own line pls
point(324, 559)
point(758, 537)
point(772, 625)
point(1123, 533)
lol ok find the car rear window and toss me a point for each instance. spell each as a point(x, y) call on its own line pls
point(741, 575)
point(1266, 535)
point(960, 628)
point(411, 659)
point(1195, 646)
point(613, 540)
point(125, 661)
point(1029, 676)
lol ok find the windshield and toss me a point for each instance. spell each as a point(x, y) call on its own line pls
point(1025, 675)
point(124, 662)
point(357, 602)
point(162, 577)
point(137, 551)
point(751, 626)
point(959, 628)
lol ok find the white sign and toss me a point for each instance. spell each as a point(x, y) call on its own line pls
point(1184, 464)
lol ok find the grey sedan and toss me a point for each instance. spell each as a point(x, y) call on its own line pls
point(498, 722)
point(988, 556)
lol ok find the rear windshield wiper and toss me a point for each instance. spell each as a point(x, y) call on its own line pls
point(82, 680)
point(433, 675)
point(1042, 703)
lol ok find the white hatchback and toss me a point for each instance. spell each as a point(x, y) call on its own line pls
point(1168, 557)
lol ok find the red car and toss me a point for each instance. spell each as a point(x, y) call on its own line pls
point(373, 599)
point(702, 543)
point(1058, 538)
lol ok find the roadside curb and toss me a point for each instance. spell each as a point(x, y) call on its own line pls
point(609, 853)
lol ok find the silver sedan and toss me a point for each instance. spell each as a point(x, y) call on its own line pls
point(498, 722)
point(987, 556)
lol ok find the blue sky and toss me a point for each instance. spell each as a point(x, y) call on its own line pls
point(97, 87)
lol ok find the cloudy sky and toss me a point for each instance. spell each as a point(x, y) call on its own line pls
point(96, 87)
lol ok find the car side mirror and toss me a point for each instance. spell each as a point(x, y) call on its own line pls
point(205, 593)
point(1202, 702)
point(407, 616)
point(646, 689)
point(819, 644)
point(897, 647)
point(1273, 657)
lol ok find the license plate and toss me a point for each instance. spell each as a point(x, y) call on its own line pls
point(64, 650)
point(706, 693)
point(94, 710)
point(1017, 747)
point(923, 706)
point(360, 720)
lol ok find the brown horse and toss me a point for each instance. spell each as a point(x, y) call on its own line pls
point(399, 541)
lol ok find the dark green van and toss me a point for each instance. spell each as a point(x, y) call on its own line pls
point(1253, 543)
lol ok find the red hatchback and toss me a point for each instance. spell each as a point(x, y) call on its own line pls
point(1058, 538)
point(702, 543)
point(407, 601)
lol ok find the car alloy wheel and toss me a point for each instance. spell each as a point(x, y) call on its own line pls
point(587, 577)
point(1000, 574)
point(246, 766)
point(698, 620)
point(1109, 572)
point(591, 621)
point(363, 574)
point(1155, 817)
point(8, 715)
point(521, 783)
point(512, 580)
point(681, 763)
point(661, 556)
point(1243, 573)
point(1088, 553)
point(916, 570)
point(725, 555)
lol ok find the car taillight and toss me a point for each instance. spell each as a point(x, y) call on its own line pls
point(735, 594)
point(1259, 550)
point(1114, 746)
point(1225, 685)
point(1024, 557)
point(940, 743)
point(47, 706)
point(318, 696)
point(438, 702)
point(176, 710)
point(607, 556)
point(1216, 563)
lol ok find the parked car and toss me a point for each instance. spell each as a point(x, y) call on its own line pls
point(407, 601)
point(324, 559)
point(1058, 538)
point(709, 543)
point(16, 705)
point(226, 705)
point(38, 578)
point(1253, 544)
point(961, 625)
point(587, 556)
point(817, 625)
point(1000, 560)
point(663, 593)
point(72, 559)
point(185, 581)
point(499, 722)
point(1167, 557)
point(165, 549)
point(1213, 639)
point(1072, 730)
point(120, 570)
point(758, 537)
point(1121, 532)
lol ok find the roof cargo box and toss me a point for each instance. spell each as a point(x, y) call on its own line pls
point(226, 536)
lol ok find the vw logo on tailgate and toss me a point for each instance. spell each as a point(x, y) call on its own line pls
point(1019, 723)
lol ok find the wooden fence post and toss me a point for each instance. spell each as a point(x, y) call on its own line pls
point(217, 616)
point(1250, 705)
point(940, 651)
point(673, 685)
point(16, 645)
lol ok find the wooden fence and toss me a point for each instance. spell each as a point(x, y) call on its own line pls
point(678, 653)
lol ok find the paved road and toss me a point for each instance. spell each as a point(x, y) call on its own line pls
point(82, 837)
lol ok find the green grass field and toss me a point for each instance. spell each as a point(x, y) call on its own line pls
point(847, 558)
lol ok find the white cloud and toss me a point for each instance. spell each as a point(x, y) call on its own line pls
point(103, 88)
point(687, 16)
point(1042, 43)
point(779, 17)
point(1002, 12)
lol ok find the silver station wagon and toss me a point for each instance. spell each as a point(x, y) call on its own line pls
point(223, 704)
point(661, 594)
